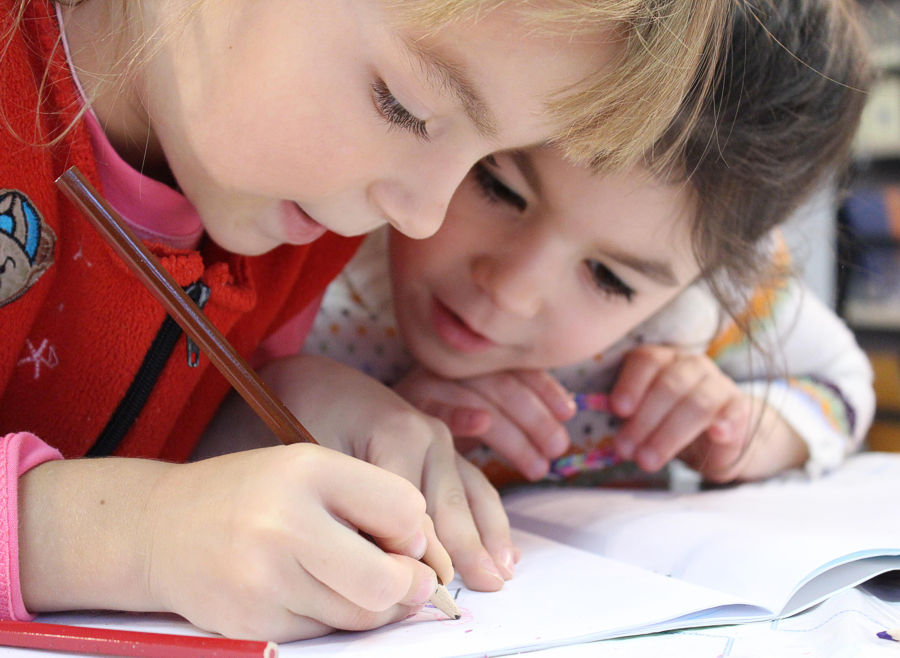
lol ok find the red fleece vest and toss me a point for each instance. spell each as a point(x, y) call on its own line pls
point(75, 324)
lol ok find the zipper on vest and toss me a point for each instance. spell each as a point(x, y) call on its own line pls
point(193, 352)
point(145, 379)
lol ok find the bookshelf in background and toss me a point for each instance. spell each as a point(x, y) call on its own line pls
point(868, 279)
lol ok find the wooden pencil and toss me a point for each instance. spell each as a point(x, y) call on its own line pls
point(185, 312)
point(442, 600)
point(195, 324)
point(110, 642)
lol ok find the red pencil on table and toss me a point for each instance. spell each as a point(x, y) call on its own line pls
point(109, 642)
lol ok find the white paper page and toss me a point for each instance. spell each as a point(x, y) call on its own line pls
point(562, 595)
point(559, 595)
point(844, 626)
point(758, 542)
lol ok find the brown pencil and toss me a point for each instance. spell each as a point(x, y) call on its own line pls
point(196, 325)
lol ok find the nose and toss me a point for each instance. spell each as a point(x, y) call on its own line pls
point(415, 201)
point(515, 279)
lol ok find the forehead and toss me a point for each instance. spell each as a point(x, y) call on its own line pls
point(514, 68)
point(629, 210)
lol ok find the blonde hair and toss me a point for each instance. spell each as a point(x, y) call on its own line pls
point(668, 51)
point(613, 119)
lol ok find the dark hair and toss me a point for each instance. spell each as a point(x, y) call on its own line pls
point(788, 95)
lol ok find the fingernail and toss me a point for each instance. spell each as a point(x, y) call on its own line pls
point(487, 565)
point(558, 443)
point(624, 403)
point(719, 428)
point(507, 563)
point(648, 459)
point(565, 407)
point(537, 469)
point(418, 545)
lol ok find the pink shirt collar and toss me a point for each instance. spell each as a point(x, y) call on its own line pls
point(155, 211)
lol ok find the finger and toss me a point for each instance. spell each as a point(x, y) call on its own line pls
point(418, 431)
point(460, 408)
point(357, 569)
point(686, 421)
point(728, 450)
point(639, 370)
point(436, 555)
point(461, 421)
point(448, 505)
point(385, 506)
point(315, 603)
point(553, 394)
point(672, 382)
point(733, 422)
point(490, 518)
point(507, 440)
point(524, 408)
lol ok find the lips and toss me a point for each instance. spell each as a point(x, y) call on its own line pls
point(453, 330)
point(299, 228)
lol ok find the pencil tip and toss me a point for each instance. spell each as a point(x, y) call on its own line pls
point(442, 600)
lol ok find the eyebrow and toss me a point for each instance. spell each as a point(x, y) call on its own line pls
point(452, 77)
point(657, 270)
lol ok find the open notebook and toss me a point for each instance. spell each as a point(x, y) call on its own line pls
point(608, 563)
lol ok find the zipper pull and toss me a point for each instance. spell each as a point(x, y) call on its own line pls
point(199, 292)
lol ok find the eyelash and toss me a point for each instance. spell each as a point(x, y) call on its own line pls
point(497, 192)
point(394, 113)
point(494, 189)
point(607, 280)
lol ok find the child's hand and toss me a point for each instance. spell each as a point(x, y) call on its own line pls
point(347, 410)
point(262, 544)
point(676, 403)
point(265, 543)
point(518, 414)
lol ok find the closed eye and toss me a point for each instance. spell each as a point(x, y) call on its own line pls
point(607, 281)
point(394, 113)
point(495, 190)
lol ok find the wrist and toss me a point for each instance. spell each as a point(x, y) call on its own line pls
point(85, 534)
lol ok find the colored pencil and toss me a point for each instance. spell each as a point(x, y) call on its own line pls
point(592, 401)
point(892, 635)
point(195, 324)
point(109, 642)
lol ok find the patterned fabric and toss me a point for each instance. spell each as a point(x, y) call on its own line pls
point(804, 362)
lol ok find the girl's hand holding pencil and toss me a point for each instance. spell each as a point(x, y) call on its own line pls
point(383, 429)
point(266, 544)
point(261, 544)
point(252, 544)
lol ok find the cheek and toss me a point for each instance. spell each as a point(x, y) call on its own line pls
point(576, 333)
point(576, 339)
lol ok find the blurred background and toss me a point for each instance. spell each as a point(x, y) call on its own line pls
point(847, 248)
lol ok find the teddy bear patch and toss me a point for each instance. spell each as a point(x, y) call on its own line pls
point(26, 245)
